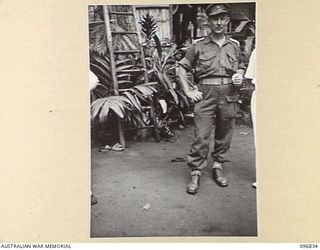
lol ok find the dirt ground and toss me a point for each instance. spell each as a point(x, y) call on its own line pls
point(125, 182)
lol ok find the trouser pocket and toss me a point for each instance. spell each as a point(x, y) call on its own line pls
point(230, 107)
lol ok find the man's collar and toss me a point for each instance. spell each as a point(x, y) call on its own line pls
point(209, 39)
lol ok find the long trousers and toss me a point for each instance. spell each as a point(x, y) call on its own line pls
point(218, 109)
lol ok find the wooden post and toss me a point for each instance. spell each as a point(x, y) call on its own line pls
point(113, 68)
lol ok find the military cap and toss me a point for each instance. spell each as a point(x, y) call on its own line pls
point(217, 8)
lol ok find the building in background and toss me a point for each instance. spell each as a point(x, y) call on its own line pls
point(184, 23)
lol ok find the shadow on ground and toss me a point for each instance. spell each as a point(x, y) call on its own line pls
point(124, 182)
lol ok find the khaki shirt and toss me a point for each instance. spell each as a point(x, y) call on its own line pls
point(210, 60)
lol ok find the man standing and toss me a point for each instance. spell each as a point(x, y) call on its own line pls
point(218, 69)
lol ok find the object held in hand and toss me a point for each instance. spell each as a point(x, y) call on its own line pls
point(237, 79)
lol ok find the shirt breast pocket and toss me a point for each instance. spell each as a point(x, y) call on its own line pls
point(233, 60)
point(206, 61)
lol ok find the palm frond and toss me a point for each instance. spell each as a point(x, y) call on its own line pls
point(100, 71)
point(135, 102)
point(117, 107)
point(103, 115)
point(100, 108)
point(96, 107)
point(98, 39)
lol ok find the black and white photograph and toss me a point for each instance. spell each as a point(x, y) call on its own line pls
point(172, 120)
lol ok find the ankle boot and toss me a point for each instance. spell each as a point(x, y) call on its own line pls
point(219, 178)
point(193, 185)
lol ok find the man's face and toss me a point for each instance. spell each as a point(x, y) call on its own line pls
point(218, 23)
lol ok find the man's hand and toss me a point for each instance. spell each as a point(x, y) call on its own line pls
point(194, 94)
point(191, 92)
point(237, 78)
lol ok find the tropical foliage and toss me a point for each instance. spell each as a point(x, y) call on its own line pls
point(162, 63)
point(105, 105)
point(164, 69)
point(126, 106)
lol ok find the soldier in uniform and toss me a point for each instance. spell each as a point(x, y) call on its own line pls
point(218, 70)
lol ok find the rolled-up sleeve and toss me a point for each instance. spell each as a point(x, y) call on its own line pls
point(188, 61)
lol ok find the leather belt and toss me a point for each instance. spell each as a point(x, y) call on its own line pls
point(216, 81)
